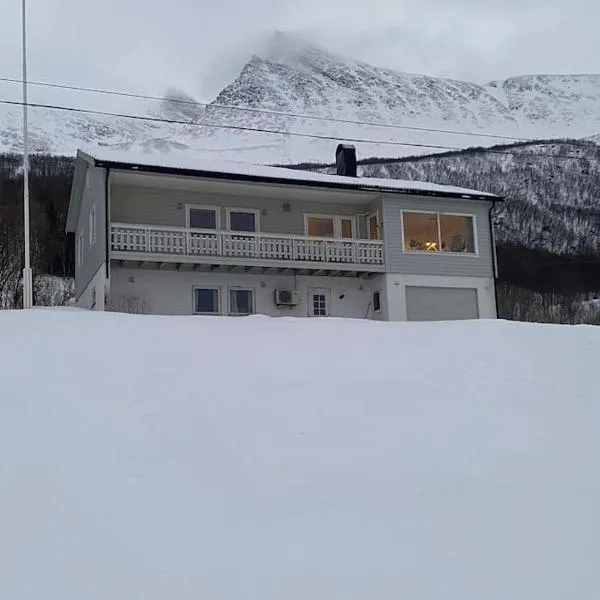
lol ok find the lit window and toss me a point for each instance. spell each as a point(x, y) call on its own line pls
point(330, 226)
point(432, 232)
point(202, 218)
point(206, 301)
point(241, 302)
point(320, 226)
point(243, 220)
point(456, 233)
point(421, 232)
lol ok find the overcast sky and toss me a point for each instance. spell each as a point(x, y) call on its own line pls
point(148, 45)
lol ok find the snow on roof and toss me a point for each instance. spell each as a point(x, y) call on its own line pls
point(188, 162)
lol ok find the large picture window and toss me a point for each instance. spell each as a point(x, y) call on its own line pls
point(438, 232)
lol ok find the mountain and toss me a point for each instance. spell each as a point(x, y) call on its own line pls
point(292, 76)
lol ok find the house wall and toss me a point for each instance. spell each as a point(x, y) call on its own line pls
point(436, 263)
point(93, 296)
point(94, 256)
point(167, 292)
point(160, 207)
point(395, 288)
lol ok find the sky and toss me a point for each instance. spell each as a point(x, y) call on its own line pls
point(147, 46)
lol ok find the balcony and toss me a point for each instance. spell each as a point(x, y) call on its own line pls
point(198, 246)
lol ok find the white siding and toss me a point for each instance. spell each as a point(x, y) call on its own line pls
point(396, 295)
point(149, 206)
point(169, 292)
point(92, 255)
point(436, 263)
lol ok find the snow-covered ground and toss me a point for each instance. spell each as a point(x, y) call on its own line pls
point(184, 458)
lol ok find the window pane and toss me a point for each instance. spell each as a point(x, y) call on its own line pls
point(421, 232)
point(242, 221)
point(320, 226)
point(319, 305)
point(347, 228)
point(376, 301)
point(203, 218)
point(206, 301)
point(373, 228)
point(457, 233)
point(241, 302)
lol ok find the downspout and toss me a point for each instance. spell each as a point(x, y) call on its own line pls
point(107, 231)
point(494, 255)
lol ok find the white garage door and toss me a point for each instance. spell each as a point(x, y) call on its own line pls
point(440, 304)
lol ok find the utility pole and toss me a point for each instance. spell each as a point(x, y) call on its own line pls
point(27, 275)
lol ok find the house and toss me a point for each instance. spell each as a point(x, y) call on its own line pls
point(171, 235)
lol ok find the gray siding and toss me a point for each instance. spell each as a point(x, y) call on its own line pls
point(459, 265)
point(147, 206)
point(441, 304)
point(93, 255)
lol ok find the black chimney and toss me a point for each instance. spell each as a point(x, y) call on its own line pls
point(345, 160)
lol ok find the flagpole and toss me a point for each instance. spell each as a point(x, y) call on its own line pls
point(27, 274)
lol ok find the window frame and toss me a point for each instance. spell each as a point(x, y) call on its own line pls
point(254, 211)
point(215, 209)
point(377, 216)
point(218, 312)
point(439, 230)
point(337, 226)
point(231, 289)
point(92, 225)
point(326, 293)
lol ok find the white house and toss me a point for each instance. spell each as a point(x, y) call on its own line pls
point(170, 235)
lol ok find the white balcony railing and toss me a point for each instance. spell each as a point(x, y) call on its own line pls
point(262, 246)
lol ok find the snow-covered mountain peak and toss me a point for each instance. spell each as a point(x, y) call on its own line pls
point(290, 74)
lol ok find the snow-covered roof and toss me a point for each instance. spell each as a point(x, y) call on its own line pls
point(190, 165)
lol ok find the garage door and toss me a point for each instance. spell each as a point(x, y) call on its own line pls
point(440, 304)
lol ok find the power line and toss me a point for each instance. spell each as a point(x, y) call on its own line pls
point(278, 132)
point(266, 111)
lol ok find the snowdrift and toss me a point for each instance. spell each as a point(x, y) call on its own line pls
point(184, 458)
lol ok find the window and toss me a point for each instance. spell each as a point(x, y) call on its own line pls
point(373, 227)
point(201, 217)
point(242, 220)
point(206, 301)
point(433, 232)
point(456, 233)
point(376, 301)
point(320, 226)
point(241, 302)
point(329, 226)
point(93, 225)
point(319, 305)
point(318, 302)
point(79, 248)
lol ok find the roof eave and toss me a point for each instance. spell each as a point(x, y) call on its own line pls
point(82, 162)
point(126, 166)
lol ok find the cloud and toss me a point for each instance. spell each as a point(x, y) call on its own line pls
point(149, 45)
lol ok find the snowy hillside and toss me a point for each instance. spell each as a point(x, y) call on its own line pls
point(295, 77)
point(296, 459)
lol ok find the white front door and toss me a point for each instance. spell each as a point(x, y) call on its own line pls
point(318, 302)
